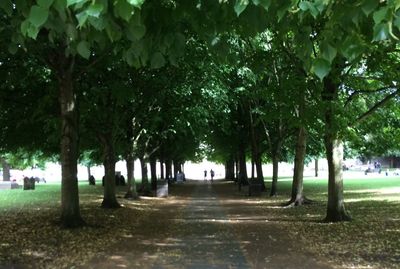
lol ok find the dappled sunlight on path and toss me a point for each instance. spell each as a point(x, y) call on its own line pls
point(207, 225)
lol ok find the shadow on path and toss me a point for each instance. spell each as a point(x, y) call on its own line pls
point(204, 226)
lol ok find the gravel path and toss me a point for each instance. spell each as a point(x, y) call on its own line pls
point(204, 226)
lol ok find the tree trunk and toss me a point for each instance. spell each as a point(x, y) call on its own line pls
point(230, 169)
point(334, 154)
point(275, 167)
point(298, 197)
point(109, 199)
point(260, 174)
point(243, 179)
point(177, 168)
point(316, 167)
point(252, 168)
point(131, 192)
point(336, 210)
point(6, 169)
point(145, 187)
point(153, 173)
point(70, 211)
point(162, 169)
point(88, 171)
point(168, 169)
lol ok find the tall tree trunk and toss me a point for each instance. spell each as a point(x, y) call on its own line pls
point(253, 168)
point(230, 169)
point(145, 187)
point(334, 154)
point(336, 210)
point(88, 171)
point(316, 167)
point(153, 173)
point(168, 169)
point(6, 169)
point(109, 199)
point(70, 212)
point(260, 174)
point(297, 197)
point(131, 192)
point(275, 169)
point(243, 179)
point(162, 169)
point(176, 168)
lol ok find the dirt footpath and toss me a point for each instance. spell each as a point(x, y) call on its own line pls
point(206, 225)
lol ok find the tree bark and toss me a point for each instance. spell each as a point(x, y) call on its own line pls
point(298, 197)
point(243, 179)
point(275, 168)
point(230, 169)
point(109, 199)
point(145, 187)
point(153, 173)
point(88, 171)
point(260, 174)
point(70, 211)
point(162, 175)
point(168, 169)
point(334, 152)
point(6, 169)
point(336, 210)
point(316, 167)
point(131, 192)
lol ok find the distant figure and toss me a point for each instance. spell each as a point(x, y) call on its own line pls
point(205, 174)
point(212, 174)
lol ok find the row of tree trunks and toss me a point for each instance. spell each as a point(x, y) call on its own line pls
point(145, 187)
point(6, 169)
point(131, 192)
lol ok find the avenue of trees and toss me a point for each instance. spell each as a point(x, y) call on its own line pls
point(96, 81)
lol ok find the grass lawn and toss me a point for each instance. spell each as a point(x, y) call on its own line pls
point(370, 240)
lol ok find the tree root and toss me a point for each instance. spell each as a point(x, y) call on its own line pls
point(298, 202)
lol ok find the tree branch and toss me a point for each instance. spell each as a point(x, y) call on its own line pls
point(376, 106)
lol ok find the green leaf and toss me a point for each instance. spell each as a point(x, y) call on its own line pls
point(95, 10)
point(380, 15)
point(24, 27)
point(73, 2)
point(264, 3)
point(136, 3)
point(240, 6)
point(32, 31)
point(124, 10)
point(45, 3)
point(157, 60)
point(328, 52)
point(381, 32)
point(138, 31)
point(7, 6)
point(38, 16)
point(81, 17)
point(12, 48)
point(83, 49)
point(306, 5)
point(369, 6)
point(321, 68)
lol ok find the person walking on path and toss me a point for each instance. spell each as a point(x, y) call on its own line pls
point(212, 174)
point(205, 174)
